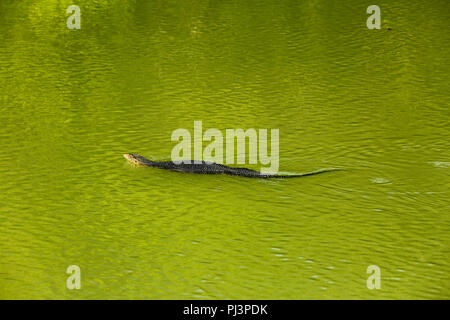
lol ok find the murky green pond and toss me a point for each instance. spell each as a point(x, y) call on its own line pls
point(375, 102)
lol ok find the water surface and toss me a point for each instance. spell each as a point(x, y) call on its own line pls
point(375, 102)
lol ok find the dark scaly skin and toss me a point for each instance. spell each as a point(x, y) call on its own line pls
point(203, 167)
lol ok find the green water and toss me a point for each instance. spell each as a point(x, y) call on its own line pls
point(375, 102)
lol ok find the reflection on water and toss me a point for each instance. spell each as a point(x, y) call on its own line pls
point(372, 101)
